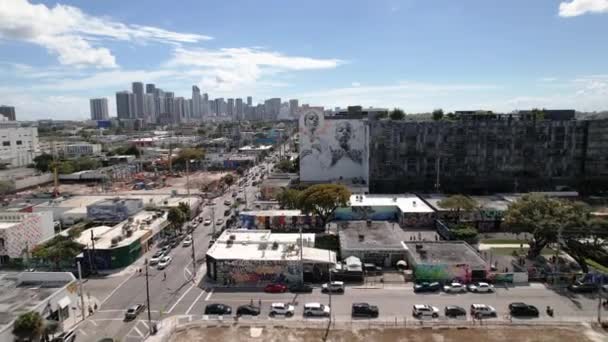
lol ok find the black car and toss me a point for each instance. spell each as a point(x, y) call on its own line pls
point(523, 309)
point(218, 309)
point(365, 310)
point(427, 287)
point(251, 310)
point(580, 287)
point(300, 288)
point(454, 311)
point(133, 311)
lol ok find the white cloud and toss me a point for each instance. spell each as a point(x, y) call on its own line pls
point(355, 84)
point(579, 7)
point(73, 35)
point(548, 79)
point(229, 69)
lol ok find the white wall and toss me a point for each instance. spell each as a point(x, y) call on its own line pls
point(331, 149)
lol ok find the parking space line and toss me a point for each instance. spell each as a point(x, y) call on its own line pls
point(138, 332)
point(93, 322)
point(209, 295)
point(194, 302)
point(180, 298)
point(144, 323)
point(82, 332)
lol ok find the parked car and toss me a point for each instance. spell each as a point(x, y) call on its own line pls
point(580, 287)
point(364, 310)
point(248, 309)
point(316, 310)
point(423, 310)
point(219, 222)
point(482, 310)
point(187, 242)
point(522, 310)
point(371, 269)
point(427, 287)
point(300, 288)
point(133, 311)
point(227, 202)
point(284, 309)
point(454, 311)
point(211, 242)
point(66, 336)
point(164, 262)
point(275, 288)
point(156, 257)
point(454, 288)
point(218, 309)
point(481, 287)
point(234, 194)
point(334, 286)
point(207, 222)
point(165, 249)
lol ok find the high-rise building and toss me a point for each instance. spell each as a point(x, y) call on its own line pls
point(249, 101)
point(124, 105)
point(8, 112)
point(149, 108)
point(150, 88)
point(197, 112)
point(293, 108)
point(272, 108)
point(238, 109)
point(138, 99)
point(99, 109)
point(188, 105)
point(230, 108)
point(179, 110)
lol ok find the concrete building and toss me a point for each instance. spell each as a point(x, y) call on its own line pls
point(408, 210)
point(293, 108)
point(230, 108)
point(379, 243)
point(81, 149)
point(114, 210)
point(197, 102)
point(19, 143)
point(149, 109)
point(249, 101)
point(52, 294)
point(8, 112)
point(238, 109)
point(99, 109)
point(138, 99)
point(125, 107)
point(259, 257)
point(273, 185)
point(22, 231)
point(272, 108)
point(280, 221)
point(445, 261)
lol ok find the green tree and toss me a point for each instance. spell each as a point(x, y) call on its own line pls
point(323, 200)
point(86, 163)
point(458, 203)
point(28, 326)
point(465, 233)
point(43, 162)
point(289, 199)
point(397, 114)
point(542, 217)
point(189, 154)
point(585, 240)
point(66, 167)
point(60, 249)
point(227, 179)
point(286, 165)
point(176, 218)
point(184, 208)
point(6, 187)
point(438, 114)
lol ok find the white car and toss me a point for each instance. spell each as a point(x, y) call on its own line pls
point(481, 287)
point(187, 242)
point(454, 288)
point(207, 222)
point(334, 286)
point(316, 309)
point(423, 310)
point(164, 262)
point(482, 310)
point(285, 309)
point(156, 257)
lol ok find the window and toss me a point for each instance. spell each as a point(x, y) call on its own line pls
point(19, 142)
point(1, 243)
point(6, 143)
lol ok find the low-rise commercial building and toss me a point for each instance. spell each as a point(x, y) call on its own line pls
point(52, 294)
point(274, 185)
point(376, 242)
point(279, 220)
point(19, 143)
point(258, 257)
point(22, 231)
point(408, 210)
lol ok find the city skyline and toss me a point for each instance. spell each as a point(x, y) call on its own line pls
point(422, 56)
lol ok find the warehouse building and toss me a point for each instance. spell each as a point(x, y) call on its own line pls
point(379, 243)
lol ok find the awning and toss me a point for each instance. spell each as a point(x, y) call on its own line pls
point(64, 302)
point(402, 263)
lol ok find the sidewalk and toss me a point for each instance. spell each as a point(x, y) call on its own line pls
point(76, 312)
point(165, 329)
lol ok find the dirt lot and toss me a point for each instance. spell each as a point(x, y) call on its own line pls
point(523, 334)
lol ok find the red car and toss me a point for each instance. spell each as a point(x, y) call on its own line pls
point(275, 288)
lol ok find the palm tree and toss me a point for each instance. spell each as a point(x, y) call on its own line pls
point(28, 326)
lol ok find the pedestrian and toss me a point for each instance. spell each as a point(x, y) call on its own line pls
point(260, 303)
point(164, 275)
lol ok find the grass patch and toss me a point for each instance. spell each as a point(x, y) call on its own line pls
point(596, 265)
point(509, 251)
point(502, 241)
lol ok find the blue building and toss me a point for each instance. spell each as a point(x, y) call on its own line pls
point(115, 209)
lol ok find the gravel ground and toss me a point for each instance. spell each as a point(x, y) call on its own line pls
point(549, 334)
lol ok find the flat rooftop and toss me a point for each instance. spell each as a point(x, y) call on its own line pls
point(375, 235)
point(444, 252)
point(264, 245)
point(494, 202)
point(272, 213)
point(23, 292)
point(433, 199)
point(407, 203)
point(143, 223)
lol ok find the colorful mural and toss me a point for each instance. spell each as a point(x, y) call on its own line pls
point(234, 272)
point(376, 213)
point(442, 272)
point(279, 223)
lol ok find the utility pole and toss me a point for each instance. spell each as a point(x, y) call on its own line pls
point(148, 298)
point(93, 266)
point(599, 299)
point(81, 291)
point(437, 171)
point(188, 176)
point(331, 310)
point(559, 248)
point(301, 256)
point(193, 254)
point(213, 220)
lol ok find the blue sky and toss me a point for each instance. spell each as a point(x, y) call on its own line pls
point(414, 54)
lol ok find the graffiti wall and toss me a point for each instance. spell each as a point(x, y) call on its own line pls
point(242, 272)
point(376, 213)
point(442, 272)
point(418, 220)
point(280, 223)
point(332, 149)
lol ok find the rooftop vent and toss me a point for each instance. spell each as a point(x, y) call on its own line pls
point(419, 246)
point(394, 199)
point(232, 237)
point(361, 237)
point(414, 203)
point(369, 223)
point(275, 245)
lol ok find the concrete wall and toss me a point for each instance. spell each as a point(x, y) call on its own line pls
point(33, 181)
point(332, 149)
point(254, 272)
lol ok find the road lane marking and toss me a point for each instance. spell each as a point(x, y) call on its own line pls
point(194, 302)
point(209, 295)
point(109, 310)
point(144, 323)
point(138, 332)
point(82, 332)
point(117, 287)
point(93, 322)
point(180, 298)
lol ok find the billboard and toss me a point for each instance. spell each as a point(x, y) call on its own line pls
point(332, 148)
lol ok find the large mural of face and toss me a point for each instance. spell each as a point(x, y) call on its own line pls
point(311, 122)
point(343, 133)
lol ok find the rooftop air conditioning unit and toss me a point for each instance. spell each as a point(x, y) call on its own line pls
point(232, 237)
point(361, 237)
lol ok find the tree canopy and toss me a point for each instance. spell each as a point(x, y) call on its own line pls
point(227, 179)
point(60, 249)
point(438, 114)
point(189, 154)
point(289, 199)
point(397, 114)
point(176, 217)
point(458, 203)
point(323, 200)
point(43, 162)
point(29, 326)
